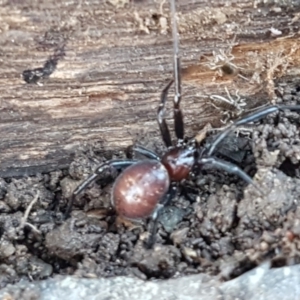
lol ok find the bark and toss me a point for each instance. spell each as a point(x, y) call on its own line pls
point(118, 57)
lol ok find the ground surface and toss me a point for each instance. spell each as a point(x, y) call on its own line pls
point(220, 226)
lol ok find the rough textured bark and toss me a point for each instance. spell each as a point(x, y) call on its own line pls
point(118, 57)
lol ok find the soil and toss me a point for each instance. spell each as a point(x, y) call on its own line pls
point(216, 224)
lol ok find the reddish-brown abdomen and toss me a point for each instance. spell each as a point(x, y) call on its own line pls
point(139, 188)
point(178, 162)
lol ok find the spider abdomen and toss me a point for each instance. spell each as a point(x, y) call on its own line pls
point(139, 188)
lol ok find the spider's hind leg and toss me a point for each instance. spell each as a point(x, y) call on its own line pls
point(157, 213)
point(230, 168)
point(118, 164)
point(253, 117)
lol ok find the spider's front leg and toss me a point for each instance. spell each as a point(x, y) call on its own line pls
point(164, 130)
point(178, 118)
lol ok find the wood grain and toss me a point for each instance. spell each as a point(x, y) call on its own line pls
point(118, 57)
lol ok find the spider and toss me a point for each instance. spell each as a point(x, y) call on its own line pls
point(144, 187)
point(233, 107)
point(222, 60)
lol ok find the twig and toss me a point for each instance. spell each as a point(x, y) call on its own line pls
point(27, 212)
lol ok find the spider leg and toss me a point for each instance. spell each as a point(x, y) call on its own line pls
point(164, 130)
point(230, 168)
point(156, 214)
point(146, 152)
point(118, 164)
point(178, 117)
point(257, 115)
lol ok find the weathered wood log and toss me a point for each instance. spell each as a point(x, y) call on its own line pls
point(118, 57)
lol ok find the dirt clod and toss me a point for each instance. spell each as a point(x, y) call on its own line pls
point(74, 237)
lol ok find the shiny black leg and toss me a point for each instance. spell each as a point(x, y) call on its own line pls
point(178, 117)
point(228, 167)
point(248, 119)
point(147, 153)
point(156, 215)
point(164, 130)
point(117, 164)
